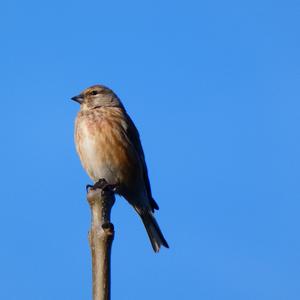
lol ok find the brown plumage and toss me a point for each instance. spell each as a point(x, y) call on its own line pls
point(109, 147)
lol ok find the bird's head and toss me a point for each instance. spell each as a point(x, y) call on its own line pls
point(97, 96)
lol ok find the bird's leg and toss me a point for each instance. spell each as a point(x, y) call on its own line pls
point(103, 185)
point(100, 184)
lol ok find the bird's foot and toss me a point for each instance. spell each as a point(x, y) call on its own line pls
point(103, 185)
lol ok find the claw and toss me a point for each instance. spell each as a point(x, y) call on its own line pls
point(88, 187)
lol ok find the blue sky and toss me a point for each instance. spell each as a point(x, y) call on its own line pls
point(213, 87)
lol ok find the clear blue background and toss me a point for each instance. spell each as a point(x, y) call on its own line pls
point(213, 87)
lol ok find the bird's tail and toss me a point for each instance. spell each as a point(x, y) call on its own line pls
point(155, 235)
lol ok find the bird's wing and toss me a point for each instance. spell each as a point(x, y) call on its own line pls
point(135, 140)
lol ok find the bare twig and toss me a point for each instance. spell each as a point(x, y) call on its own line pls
point(101, 236)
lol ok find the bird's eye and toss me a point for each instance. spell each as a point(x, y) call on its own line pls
point(94, 93)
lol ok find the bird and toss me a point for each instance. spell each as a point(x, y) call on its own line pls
point(109, 147)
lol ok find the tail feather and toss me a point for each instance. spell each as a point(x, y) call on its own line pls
point(155, 235)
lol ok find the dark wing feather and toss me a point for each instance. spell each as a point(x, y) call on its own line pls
point(136, 141)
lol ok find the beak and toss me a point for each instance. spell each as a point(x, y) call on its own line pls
point(78, 99)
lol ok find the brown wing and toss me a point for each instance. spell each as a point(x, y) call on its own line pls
point(134, 138)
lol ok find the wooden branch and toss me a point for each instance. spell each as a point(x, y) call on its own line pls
point(101, 236)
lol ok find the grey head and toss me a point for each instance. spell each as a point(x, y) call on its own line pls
point(97, 96)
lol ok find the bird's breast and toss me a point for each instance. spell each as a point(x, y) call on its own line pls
point(103, 148)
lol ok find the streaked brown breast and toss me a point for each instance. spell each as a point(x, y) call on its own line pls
point(104, 147)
